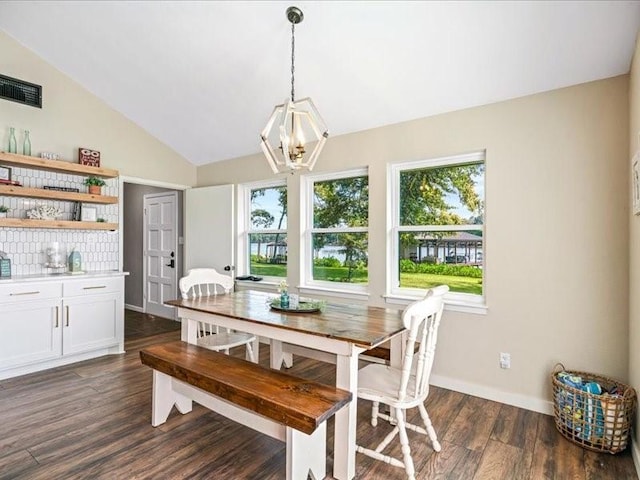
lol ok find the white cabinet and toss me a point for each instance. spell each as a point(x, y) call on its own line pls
point(93, 314)
point(60, 321)
point(30, 332)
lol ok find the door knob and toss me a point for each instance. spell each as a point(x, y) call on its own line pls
point(228, 268)
point(172, 263)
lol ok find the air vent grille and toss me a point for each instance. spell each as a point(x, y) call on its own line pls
point(20, 91)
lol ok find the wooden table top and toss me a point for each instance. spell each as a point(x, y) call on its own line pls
point(360, 325)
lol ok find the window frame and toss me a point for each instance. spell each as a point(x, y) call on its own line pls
point(243, 260)
point(307, 284)
point(464, 302)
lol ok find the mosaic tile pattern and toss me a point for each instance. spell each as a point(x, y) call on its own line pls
point(25, 246)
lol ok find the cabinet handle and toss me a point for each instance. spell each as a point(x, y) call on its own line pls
point(67, 307)
point(57, 323)
point(24, 293)
point(93, 288)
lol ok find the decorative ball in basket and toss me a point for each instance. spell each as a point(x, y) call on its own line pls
point(593, 411)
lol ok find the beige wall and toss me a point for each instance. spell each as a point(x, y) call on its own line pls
point(557, 237)
point(72, 117)
point(634, 236)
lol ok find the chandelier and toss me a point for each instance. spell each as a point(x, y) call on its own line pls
point(295, 127)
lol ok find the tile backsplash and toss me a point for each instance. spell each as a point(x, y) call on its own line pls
point(25, 246)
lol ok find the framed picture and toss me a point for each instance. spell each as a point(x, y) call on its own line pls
point(5, 173)
point(89, 214)
point(89, 157)
point(635, 183)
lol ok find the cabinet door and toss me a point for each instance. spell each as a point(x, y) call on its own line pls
point(30, 332)
point(91, 322)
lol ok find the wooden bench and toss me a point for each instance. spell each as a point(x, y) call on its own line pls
point(291, 409)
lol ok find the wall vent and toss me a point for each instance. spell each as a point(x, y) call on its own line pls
point(20, 91)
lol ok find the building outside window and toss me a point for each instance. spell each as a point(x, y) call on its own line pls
point(437, 226)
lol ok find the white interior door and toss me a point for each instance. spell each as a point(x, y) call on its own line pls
point(209, 228)
point(160, 255)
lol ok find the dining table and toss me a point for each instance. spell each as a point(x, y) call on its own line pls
point(343, 331)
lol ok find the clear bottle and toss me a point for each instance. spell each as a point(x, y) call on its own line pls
point(13, 145)
point(26, 146)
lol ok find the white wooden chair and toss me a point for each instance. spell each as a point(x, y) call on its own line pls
point(408, 387)
point(203, 282)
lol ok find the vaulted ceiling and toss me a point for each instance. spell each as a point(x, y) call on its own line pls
point(203, 77)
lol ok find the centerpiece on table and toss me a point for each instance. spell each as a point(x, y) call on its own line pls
point(285, 303)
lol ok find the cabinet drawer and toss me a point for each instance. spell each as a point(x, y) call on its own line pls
point(93, 286)
point(20, 292)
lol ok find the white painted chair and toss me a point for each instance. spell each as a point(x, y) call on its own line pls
point(203, 282)
point(408, 387)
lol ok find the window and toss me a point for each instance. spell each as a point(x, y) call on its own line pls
point(263, 243)
point(336, 220)
point(437, 231)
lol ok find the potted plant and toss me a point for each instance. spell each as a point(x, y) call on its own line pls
point(3, 211)
point(95, 185)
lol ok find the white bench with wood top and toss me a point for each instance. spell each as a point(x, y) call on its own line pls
point(291, 409)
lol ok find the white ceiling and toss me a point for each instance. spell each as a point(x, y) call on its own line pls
point(203, 77)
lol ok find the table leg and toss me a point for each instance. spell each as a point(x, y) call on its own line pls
point(344, 447)
point(275, 353)
point(188, 330)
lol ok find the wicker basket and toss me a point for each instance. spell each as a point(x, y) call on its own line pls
point(597, 422)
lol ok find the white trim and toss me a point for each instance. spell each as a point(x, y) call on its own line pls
point(134, 308)
point(307, 230)
point(334, 292)
point(450, 305)
point(635, 454)
point(517, 400)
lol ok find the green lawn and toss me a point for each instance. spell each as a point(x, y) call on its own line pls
point(408, 280)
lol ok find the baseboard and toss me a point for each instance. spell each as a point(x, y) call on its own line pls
point(488, 393)
point(134, 308)
point(635, 453)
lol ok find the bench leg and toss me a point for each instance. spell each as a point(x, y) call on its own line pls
point(306, 454)
point(164, 398)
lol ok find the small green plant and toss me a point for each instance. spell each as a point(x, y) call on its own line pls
point(3, 209)
point(94, 181)
point(100, 220)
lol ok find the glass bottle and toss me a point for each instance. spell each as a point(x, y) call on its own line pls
point(13, 145)
point(284, 299)
point(26, 146)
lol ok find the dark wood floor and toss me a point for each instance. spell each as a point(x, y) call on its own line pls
point(91, 420)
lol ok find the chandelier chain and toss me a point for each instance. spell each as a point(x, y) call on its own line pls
point(293, 57)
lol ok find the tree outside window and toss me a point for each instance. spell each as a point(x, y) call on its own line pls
point(267, 233)
point(339, 230)
point(439, 224)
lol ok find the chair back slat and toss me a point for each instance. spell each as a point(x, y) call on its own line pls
point(422, 319)
point(203, 282)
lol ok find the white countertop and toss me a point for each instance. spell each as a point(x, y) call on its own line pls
point(43, 277)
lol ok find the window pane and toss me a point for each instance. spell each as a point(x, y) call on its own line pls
point(341, 203)
point(268, 254)
point(340, 257)
point(435, 258)
point(269, 208)
point(442, 196)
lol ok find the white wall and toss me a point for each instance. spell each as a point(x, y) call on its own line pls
point(556, 188)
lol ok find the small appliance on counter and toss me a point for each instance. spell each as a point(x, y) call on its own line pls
point(5, 265)
point(56, 257)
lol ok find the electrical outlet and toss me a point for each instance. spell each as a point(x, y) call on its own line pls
point(505, 360)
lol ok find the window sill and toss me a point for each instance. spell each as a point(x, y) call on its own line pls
point(349, 294)
point(476, 308)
